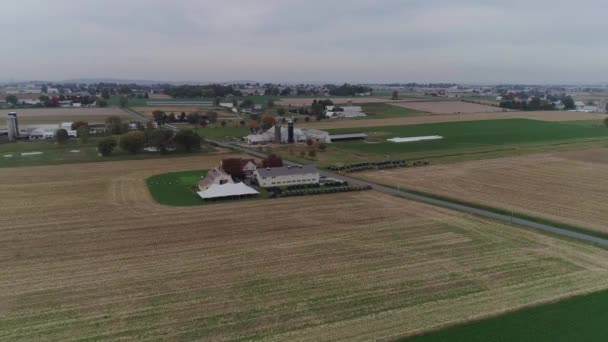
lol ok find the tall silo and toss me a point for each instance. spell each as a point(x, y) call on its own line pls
point(13, 126)
point(277, 134)
point(290, 139)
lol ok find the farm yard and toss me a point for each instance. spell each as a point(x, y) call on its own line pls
point(551, 116)
point(58, 115)
point(449, 107)
point(566, 187)
point(109, 263)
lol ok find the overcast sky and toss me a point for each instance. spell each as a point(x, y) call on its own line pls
point(533, 41)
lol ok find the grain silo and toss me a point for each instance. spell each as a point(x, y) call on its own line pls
point(290, 138)
point(277, 134)
point(12, 126)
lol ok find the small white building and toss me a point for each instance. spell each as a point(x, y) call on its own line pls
point(286, 176)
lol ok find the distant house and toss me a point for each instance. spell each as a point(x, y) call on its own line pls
point(215, 176)
point(286, 176)
point(345, 112)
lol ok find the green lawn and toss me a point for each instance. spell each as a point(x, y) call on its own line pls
point(71, 152)
point(468, 134)
point(176, 189)
point(577, 319)
point(384, 111)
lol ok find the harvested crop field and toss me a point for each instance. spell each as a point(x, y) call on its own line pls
point(87, 254)
point(449, 107)
point(567, 187)
point(415, 120)
point(301, 102)
point(58, 115)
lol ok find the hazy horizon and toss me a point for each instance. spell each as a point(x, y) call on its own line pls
point(462, 41)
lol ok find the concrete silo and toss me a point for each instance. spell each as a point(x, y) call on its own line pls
point(12, 126)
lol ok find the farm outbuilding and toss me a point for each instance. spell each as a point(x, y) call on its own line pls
point(227, 190)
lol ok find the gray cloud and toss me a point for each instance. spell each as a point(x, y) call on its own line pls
point(292, 40)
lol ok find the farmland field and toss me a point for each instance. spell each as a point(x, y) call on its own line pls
point(73, 151)
point(550, 116)
point(458, 136)
point(88, 254)
point(307, 101)
point(449, 107)
point(567, 187)
point(383, 111)
point(59, 115)
point(582, 318)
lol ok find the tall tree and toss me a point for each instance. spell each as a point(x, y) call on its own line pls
point(12, 99)
point(123, 101)
point(132, 142)
point(106, 145)
point(61, 136)
point(187, 140)
point(395, 95)
point(161, 139)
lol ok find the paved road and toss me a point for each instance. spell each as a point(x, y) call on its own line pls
point(441, 203)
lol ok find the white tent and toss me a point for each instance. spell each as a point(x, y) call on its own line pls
point(227, 190)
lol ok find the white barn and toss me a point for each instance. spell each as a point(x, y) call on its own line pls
point(286, 176)
point(215, 176)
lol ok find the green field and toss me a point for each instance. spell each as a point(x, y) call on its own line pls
point(385, 111)
point(177, 188)
point(223, 132)
point(71, 152)
point(468, 134)
point(577, 319)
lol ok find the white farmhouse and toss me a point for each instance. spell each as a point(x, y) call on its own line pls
point(286, 176)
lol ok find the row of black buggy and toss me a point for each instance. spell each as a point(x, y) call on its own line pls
point(387, 164)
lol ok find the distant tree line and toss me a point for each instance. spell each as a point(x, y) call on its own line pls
point(347, 89)
point(212, 90)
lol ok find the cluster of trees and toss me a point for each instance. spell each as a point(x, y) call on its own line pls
point(53, 101)
point(521, 101)
point(347, 89)
point(273, 90)
point(423, 85)
point(272, 161)
point(161, 139)
point(212, 90)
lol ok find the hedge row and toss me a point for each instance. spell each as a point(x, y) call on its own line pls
point(391, 164)
point(319, 191)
